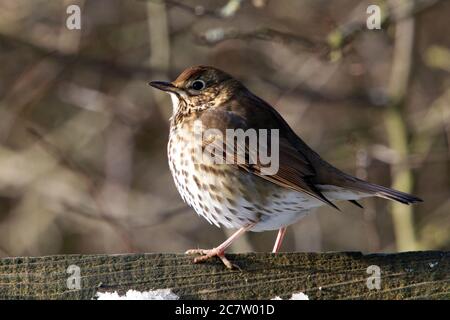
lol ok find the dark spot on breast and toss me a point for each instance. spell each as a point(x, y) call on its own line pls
point(231, 202)
point(227, 187)
point(197, 182)
point(257, 206)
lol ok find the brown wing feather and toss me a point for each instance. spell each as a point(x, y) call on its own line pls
point(295, 171)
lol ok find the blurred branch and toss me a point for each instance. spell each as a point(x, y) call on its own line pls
point(230, 8)
point(93, 181)
point(71, 59)
point(341, 37)
point(396, 128)
point(198, 10)
point(315, 95)
point(227, 11)
point(215, 36)
point(29, 88)
point(98, 213)
point(429, 126)
point(34, 173)
point(335, 42)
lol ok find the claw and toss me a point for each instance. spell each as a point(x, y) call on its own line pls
point(220, 250)
point(208, 254)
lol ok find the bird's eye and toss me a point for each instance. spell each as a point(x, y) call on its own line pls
point(198, 85)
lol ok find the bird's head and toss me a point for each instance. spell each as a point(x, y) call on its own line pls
point(198, 88)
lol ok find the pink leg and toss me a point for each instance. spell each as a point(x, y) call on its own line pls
point(280, 236)
point(220, 250)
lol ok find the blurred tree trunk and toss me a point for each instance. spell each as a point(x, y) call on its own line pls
point(158, 29)
point(396, 126)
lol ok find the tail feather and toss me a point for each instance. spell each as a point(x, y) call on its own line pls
point(359, 185)
point(386, 193)
point(392, 194)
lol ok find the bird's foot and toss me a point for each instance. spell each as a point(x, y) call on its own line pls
point(209, 253)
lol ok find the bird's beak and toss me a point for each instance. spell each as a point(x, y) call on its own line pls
point(164, 86)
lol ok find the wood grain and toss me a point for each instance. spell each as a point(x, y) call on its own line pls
point(412, 275)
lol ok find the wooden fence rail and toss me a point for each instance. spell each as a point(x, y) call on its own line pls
point(411, 275)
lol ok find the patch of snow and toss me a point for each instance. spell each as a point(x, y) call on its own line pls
point(433, 264)
point(159, 294)
point(299, 296)
point(295, 296)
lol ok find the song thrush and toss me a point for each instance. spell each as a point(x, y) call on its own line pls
point(239, 195)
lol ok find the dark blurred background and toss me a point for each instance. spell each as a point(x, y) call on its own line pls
point(83, 165)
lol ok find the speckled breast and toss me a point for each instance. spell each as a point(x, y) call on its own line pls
point(228, 196)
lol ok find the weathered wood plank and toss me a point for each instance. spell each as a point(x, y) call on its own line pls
point(413, 275)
